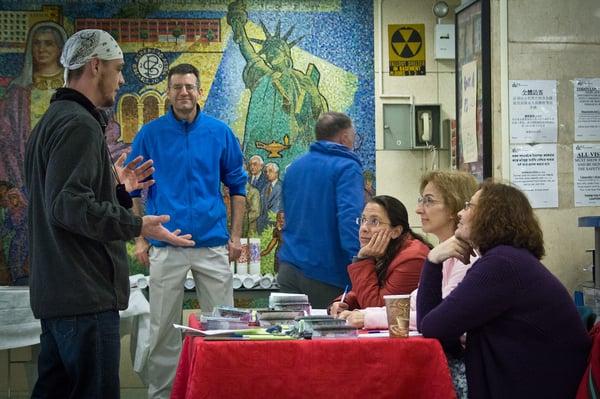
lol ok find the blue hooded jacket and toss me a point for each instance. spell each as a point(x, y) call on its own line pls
point(191, 161)
point(322, 197)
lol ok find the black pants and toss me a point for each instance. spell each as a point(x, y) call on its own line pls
point(79, 357)
point(292, 280)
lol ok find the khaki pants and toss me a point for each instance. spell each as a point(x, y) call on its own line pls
point(168, 269)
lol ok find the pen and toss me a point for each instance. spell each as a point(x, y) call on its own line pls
point(344, 294)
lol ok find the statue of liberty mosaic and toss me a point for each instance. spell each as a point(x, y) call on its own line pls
point(285, 103)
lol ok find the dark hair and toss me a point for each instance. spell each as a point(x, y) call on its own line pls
point(183, 69)
point(396, 212)
point(503, 216)
point(330, 124)
point(74, 74)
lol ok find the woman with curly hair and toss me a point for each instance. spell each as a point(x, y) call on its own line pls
point(390, 258)
point(525, 338)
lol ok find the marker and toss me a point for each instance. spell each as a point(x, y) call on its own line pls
point(344, 294)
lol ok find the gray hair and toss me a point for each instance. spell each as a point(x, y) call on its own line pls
point(272, 165)
point(330, 124)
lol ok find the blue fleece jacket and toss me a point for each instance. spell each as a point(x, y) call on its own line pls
point(191, 160)
point(322, 197)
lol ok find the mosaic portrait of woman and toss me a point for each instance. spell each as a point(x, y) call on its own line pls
point(25, 101)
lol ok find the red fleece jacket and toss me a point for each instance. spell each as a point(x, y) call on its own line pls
point(402, 276)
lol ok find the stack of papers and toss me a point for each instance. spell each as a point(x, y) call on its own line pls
point(386, 334)
point(250, 334)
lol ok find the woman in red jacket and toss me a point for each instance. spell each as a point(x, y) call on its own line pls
point(390, 258)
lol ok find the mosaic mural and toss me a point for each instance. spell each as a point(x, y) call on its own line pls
point(268, 69)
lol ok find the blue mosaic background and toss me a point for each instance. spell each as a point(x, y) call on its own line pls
point(343, 37)
point(337, 34)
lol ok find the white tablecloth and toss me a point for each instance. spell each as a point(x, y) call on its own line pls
point(19, 328)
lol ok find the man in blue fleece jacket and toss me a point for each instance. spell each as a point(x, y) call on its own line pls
point(322, 198)
point(193, 154)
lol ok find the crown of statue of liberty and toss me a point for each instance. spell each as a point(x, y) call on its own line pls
point(276, 40)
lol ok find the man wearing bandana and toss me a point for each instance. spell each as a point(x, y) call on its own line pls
point(78, 224)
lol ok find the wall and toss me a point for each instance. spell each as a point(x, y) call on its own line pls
point(398, 172)
point(549, 39)
point(537, 39)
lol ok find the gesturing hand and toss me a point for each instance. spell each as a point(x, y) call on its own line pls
point(133, 174)
point(152, 227)
point(377, 244)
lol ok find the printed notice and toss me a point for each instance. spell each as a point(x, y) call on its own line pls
point(468, 112)
point(587, 109)
point(534, 171)
point(533, 116)
point(586, 174)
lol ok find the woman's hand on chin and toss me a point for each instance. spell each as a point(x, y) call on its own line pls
point(453, 247)
point(377, 244)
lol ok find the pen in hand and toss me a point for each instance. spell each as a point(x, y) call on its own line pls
point(344, 294)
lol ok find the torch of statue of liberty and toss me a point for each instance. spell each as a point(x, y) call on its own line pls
point(285, 103)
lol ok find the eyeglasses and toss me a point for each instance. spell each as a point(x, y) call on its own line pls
point(372, 222)
point(426, 201)
point(187, 87)
point(469, 205)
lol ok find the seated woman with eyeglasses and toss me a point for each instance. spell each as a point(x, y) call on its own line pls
point(525, 338)
point(390, 258)
point(443, 194)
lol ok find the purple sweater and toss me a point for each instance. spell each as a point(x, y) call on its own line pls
point(525, 338)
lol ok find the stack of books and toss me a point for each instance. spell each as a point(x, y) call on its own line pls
point(291, 302)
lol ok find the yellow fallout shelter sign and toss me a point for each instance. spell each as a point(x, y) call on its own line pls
point(406, 49)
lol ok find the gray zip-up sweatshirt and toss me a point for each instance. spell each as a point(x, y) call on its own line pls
point(76, 225)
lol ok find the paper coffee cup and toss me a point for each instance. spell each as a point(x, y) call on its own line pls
point(397, 308)
point(254, 268)
point(245, 252)
point(254, 250)
point(242, 268)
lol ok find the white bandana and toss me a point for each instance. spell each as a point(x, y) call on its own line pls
point(87, 44)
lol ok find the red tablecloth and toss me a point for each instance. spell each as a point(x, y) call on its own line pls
point(330, 368)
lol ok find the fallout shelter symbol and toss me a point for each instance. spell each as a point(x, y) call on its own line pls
point(150, 65)
point(406, 42)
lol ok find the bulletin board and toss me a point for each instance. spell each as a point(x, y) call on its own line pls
point(473, 89)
